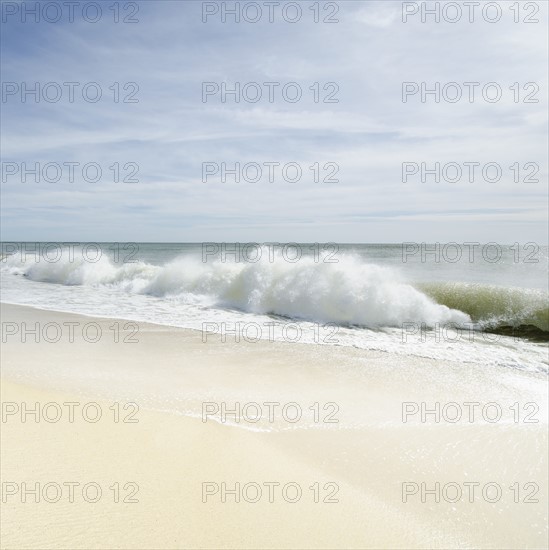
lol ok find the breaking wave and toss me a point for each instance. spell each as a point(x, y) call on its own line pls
point(349, 292)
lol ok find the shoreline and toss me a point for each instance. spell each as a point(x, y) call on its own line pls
point(526, 332)
point(173, 449)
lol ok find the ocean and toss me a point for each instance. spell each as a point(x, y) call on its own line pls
point(470, 302)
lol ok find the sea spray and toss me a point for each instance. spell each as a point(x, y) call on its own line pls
point(350, 292)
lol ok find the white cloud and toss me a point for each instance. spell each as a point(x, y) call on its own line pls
point(369, 133)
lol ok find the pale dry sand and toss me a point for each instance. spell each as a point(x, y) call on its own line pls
point(169, 454)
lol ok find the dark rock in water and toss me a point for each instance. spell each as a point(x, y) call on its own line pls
point(530, 332)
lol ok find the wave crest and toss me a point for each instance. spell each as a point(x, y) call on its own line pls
point(349, 292)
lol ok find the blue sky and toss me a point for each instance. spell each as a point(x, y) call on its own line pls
point(369, 133)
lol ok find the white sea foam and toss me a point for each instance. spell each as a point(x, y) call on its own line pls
point(349, 292)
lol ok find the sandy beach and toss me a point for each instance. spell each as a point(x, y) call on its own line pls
point(182, 469)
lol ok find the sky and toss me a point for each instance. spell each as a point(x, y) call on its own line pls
point(170, 132)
